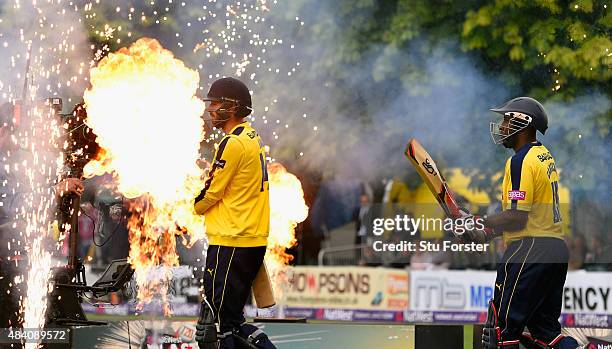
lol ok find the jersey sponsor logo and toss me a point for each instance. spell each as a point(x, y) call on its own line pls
point(516, 195)
point(545, 156)
point(428, 167)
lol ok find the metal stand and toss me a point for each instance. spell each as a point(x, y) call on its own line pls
point(64, 307)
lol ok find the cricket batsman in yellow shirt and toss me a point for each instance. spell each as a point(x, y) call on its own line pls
point(531, 275)
point(235, 202)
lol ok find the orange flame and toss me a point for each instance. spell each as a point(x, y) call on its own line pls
point(287, 209)
point(142, 107)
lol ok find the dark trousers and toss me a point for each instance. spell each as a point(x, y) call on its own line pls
point(228, 278)
point(529, 288)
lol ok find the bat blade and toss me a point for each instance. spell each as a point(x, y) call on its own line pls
point(431, 175)
point(262, 288)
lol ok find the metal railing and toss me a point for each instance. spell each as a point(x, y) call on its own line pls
point(340, 255)
point(358, 254)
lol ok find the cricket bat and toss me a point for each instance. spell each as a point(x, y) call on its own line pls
point(262, 288)
point(431, 175)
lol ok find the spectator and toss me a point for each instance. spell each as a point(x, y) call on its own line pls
point(599, 256)
point(362, 218)
point(577, 251)
point(441, 259)
point(421, 260)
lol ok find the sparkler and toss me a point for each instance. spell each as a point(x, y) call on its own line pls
point(44, 37)
point(219, 38)
point(38, 165)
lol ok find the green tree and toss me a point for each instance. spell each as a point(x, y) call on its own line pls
point(565, 44)
point(555, 51)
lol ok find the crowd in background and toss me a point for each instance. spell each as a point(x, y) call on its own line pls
point(590, 252)
point(104, 237)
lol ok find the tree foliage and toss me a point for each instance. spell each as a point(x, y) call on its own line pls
point(565, 44)
point(555, 51)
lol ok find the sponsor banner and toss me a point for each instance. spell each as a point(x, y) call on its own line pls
point(459, 317)
point(380, 294)
point(308, 313)
point(119, 309)
point(445, 317)
point(419, 316)
point(316, 287)
point(470, 290)
point(409, 316)
point(143, 334)
point(588, 292)
point(587, 320)
point(444, 290)
point(348, 288)
point(566, 320)
point(359, 315)
point(332, 314)
point(339, 314)
point(597, 343)
point(178, 309)
point(370, 315)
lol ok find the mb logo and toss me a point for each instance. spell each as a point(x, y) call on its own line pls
point(436, 293)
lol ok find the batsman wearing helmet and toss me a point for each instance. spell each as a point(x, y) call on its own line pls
point(531, 275)
point(236, 204)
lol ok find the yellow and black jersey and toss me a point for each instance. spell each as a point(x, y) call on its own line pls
point(235, 199)
point(531, 183)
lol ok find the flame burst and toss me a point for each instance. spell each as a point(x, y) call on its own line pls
point(287, 209)
point(142, 107)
